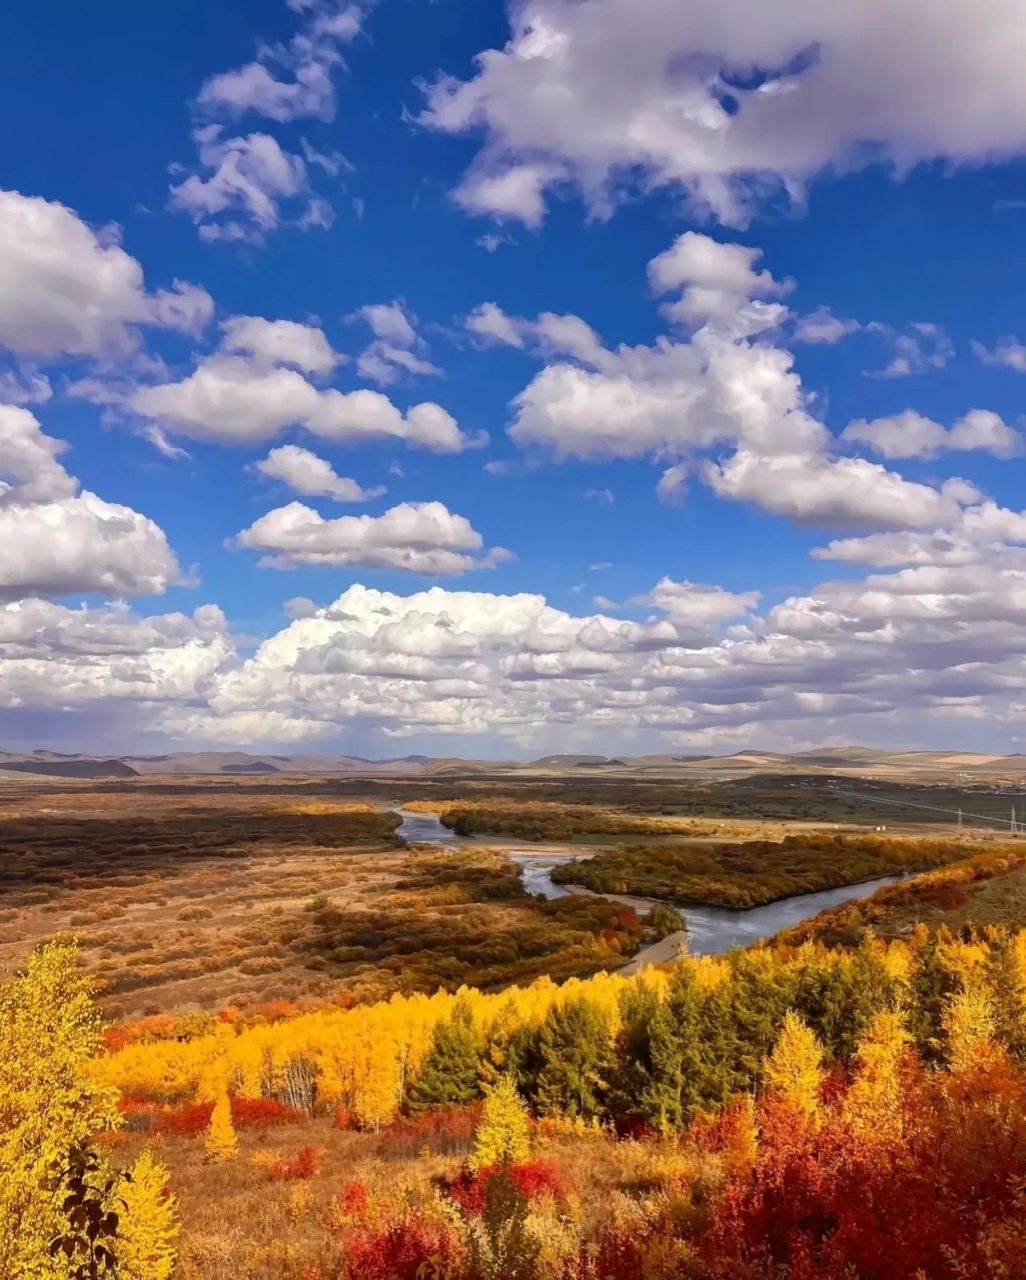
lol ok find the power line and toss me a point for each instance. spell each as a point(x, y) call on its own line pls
point(1012, 824)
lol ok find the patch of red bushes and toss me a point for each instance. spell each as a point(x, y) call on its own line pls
point(400, 1251)
point(533, 1179)
point(447, 1131)
point(194, 1117)
point(353, 1198)
point(304, 1165)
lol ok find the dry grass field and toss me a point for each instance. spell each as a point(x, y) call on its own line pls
point(194, 897)
point(240, 1221)
point(190, 894)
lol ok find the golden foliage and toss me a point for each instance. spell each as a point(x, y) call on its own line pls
point(872, 1106)
point(969, 1022)
point(795, 1065)
point(504, 1134)
point(149, 1223)
point(48, 1031)
point(221, 1142)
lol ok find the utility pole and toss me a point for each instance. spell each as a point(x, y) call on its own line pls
point(960, 819)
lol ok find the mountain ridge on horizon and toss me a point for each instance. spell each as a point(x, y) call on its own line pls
point(855, 758)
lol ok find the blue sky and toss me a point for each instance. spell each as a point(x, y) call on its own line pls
point(731, 457)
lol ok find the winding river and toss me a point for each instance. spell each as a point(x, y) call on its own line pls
point(711, 930)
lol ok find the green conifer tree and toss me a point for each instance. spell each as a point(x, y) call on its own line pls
point(932, 986)
point(759, 1001)
point(449, 1073)
point(524, 1059)
point(578, 1057)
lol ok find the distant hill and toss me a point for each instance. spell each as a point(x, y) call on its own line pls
point(922, 766)
point(81, 768)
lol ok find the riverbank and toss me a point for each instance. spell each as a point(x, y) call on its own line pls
point(710, 930)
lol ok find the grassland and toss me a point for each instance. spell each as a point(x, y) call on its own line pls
point(190, 898)
point(191, 893)
point(238, 1221)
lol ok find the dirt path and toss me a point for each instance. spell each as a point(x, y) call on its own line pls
point(668, 950)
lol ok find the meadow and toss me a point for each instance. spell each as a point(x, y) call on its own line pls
point(184, 899)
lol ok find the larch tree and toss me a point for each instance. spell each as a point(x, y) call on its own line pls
point(794, 1068)
point(969, 1023)
point(1006, 980)
point(504, 1134)
point(221, 1143)
point(49, 1029)
point(149, 1224)
point(873, 1105)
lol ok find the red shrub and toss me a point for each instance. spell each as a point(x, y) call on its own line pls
point(352, 1198)
point(407, 1249)
point(303, 1166)
point(262, 1113)
point(269, 1011)
point(139, 1113)
point(345, 1118)
point(114, 1039)
point(447, 1131)
point(620, 1255)
point(533, 1179)
point(186, 1121)
point(247, 1113)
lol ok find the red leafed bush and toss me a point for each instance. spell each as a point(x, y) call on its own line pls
point(533, 1179)
point(185, 1121)
point(247, 1113)
point(621, 1255)
point(303, 1166)
point(140, 1114)
point(269, 1011)
point(345, 1118)
point(263, 1113)
point(353, 1199)
point(115, 1039)
point(447, 1131)
point(407, 1249)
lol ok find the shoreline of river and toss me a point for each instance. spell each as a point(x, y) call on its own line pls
point(710, 930)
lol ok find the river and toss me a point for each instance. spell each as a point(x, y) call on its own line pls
point(711, 930)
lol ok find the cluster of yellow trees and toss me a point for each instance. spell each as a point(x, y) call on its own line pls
point(660, 1046)
point(50, 1103)
point(366, 1057)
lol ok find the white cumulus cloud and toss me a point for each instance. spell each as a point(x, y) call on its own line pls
point(607, 95)
point(55, 540)
point(911, 435)
point(250, 398)
point(280, 342)
point(67, 290)
point(424, 538)
point(306, 473)
point(396, 345)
